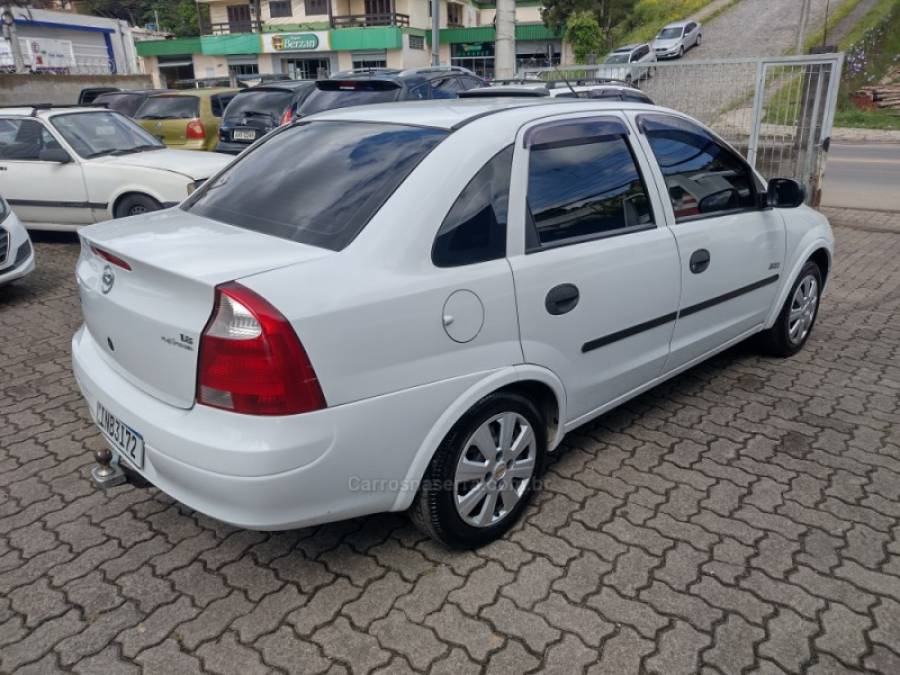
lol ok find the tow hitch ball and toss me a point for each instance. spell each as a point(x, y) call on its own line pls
point(106, 474)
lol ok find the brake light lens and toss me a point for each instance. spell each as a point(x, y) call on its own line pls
point(288, 115)
point(195, 130)
point(110, 258)
point(251, 360)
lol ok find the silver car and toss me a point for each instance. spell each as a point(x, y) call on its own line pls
point(676, 38)
point(629, 63)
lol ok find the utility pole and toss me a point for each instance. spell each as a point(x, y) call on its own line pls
point(505, 40)
point(435, 32)
point(804, 21)
point(8, 20)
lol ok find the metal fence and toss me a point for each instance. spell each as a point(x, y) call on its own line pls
point(777, 111)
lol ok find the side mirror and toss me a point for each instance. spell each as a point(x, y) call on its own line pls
point(57, 155)
point(785, 193)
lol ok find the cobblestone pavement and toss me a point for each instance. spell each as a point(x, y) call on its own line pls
point(743, 516)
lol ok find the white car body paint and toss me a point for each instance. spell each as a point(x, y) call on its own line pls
point(371, 318)
point(53, 196)
point(11, 267)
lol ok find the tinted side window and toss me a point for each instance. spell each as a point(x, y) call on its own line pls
point(219, 103)
point(475, 227)
point(584, 188)
point(702, 176)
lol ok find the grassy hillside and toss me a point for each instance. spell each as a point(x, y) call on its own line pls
point(873, 50)
point(650, 15)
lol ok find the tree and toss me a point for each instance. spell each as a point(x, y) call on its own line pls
point(176, 16)
point(584, 34)
point(608, 13)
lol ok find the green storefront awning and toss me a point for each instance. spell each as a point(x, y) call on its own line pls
point(174, 47)
point(524, 31)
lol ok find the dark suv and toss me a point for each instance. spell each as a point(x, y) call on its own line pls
point(256, 111)
point(383, 85)
point(126, 102)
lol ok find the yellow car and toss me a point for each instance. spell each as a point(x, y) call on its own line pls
point(188, 119)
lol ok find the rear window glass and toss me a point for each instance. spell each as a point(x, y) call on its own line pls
point(169, 107)
point(271, 103)
point(127, 104)
point(317, 183)
point(321, 99)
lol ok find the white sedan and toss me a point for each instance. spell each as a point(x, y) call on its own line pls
point(424, 297)
point(61, 168)
point(16, 251)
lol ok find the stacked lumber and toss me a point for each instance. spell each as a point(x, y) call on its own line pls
point(879, 96)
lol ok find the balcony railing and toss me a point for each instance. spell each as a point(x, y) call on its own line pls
point(362, 20)
point(230, 27)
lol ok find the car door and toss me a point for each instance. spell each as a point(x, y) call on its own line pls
point(595, 269)
point(690, 35)
point(40, 191)
point(731, 248)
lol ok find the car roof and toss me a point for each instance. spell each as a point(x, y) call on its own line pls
point(47, 110)
point(676, 24)
point(627, 48)
point(212, 91)
point(453, 113)
point(284, 85)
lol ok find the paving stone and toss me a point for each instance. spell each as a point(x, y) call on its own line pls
point(269, 613)
point(475, 636)
point(226, 656)
point(646, 620)
point(417, 644)
point(166, 659)
point(844, 633)
point(511, 660)
point(146, 589)
point(156, 627)
point(679, 650)
point(284, 650)
point(788, 640)
point(377, 600)
point(339, 640)
point(733, 642)
point(429, 594)
point(622, 653)
point(38, 602)
point(323, 606)
point(532, 582)
point(587, 624)
point(39, 641)
point(532, 628)
point(218, 616)
point(97, 634)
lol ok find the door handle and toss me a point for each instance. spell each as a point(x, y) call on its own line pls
point(562, 299)
point(699, 261)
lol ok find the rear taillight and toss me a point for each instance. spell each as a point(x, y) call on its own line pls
point(110, 258)
point(195, 130)
point(288, 115)
point(251, 360)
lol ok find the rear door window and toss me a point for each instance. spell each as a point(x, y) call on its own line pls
point(475, 227)
point(269, 103)
point(317, 183)
point(219, 102)
point(333, 94)
point(169, 108)
point(127, 104)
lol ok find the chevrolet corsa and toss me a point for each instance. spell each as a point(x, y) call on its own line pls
point(406, 307)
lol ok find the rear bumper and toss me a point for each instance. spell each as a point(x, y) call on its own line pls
point(272, 473)
point(232, 148)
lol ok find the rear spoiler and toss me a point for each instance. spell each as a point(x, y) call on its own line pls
point(357, 85)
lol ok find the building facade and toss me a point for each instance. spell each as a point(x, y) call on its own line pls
point(66, 42)
point(315, 38)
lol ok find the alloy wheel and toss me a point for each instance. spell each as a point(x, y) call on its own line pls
point(495, 469)
point(803, 309)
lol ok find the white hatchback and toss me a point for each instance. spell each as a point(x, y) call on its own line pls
point(406, 307)
point(64, 167)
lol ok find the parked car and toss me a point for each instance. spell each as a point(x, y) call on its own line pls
point(61, 168)
point(383, 85)
point(470, 280)
point(124, 101)
point(188, 120)
point(631, 63)
point(16, 252)
point(676, 38)
point(256, 111)
point(87, 95)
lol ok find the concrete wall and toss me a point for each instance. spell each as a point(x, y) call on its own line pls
point(61, 89)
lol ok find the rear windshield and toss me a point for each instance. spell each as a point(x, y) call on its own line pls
point(669, 33)
point(270, 103)
point(169, 107)
point(363, 93)
point(127, 104)
point(317, 183)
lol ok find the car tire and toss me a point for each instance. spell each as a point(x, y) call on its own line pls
point(135, 205)
point(699, 40)
point(795, 322)
point(681, 51)
point(457, 504)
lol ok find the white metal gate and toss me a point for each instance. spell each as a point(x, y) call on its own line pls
point(777, 111)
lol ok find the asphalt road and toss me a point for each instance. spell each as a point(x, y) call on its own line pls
point(863, 175)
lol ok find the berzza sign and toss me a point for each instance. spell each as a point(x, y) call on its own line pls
point(311, 41)
point(294, 42)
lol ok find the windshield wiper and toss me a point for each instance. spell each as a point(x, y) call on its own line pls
point(100, 153)
point(136, 148)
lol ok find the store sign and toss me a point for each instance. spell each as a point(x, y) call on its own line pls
point(295, 42)
point(39, 54)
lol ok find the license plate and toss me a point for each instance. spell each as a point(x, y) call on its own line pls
point(125, 440)
point(244, 134)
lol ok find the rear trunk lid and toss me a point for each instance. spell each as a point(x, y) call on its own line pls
point(147, 320)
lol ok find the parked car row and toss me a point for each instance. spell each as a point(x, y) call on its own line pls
point(635, 62)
